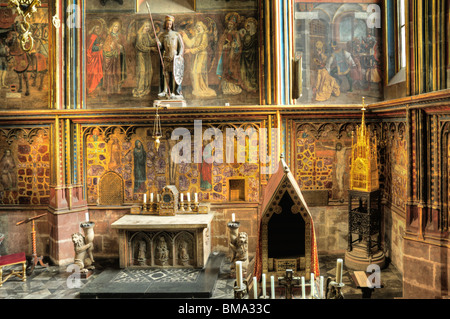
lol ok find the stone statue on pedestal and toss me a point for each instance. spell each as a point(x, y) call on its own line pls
point(82, 258)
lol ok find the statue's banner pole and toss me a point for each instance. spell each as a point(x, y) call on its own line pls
point(157, 41)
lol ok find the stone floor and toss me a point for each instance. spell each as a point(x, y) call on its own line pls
point(56, 283)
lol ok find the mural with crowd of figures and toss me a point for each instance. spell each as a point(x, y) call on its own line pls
point(341, 54)
point(220, 58)
point(23, 75)
point(143, 169)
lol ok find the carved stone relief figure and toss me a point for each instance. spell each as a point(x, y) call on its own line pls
point(142, 250)
point(162, 252)
point(239, 246)
point(183, 253)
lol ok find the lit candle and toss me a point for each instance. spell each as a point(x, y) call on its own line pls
point(303, 288)
point(255, 288)
point(233, 219)
point(239, 274)
point(188, 195)
point(263, 284)
point(151, 197)
point(312, 285)
point(339, 269)
point(196, 197)
point(272, 287)
point(145, 198)
point(181, 197)
point(321, 287)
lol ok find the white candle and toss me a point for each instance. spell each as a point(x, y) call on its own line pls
point(239, 274)
point(303, 288)
point(181, 197)
point(145, 198)
point(255, 288)
point(312, 285)
point(188, 195)
point(263, 284)
point(272, 287)
point(339, 270)
point(151, 197)
point(321, 287)
point(158, 198)
point(233, 219)
point(87, 216)
point(196, 197)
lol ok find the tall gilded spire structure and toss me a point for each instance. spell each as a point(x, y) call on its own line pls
point(364, 160)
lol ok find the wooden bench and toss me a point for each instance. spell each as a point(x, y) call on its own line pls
point(361, 280)
point(10, 260)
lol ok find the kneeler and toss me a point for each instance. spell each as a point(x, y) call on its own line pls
point(13, 259)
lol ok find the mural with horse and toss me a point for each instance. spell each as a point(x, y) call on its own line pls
point(31, 65)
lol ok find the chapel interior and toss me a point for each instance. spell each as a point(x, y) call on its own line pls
point(302, 132)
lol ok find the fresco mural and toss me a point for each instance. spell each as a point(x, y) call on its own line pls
point(341, 56)
point(220, 59)
point(145, 170)
point(23, 75)
point(24, 167)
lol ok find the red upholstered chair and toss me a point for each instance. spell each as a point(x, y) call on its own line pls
point(13, 259)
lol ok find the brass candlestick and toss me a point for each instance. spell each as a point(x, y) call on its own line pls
point(240, 292)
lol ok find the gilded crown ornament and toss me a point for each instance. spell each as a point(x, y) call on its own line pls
point(364, 167)
point(25, 8)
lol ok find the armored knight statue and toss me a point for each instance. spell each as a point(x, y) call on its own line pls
point(172, 49)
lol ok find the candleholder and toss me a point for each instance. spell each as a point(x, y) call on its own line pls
point(188, 208)
point(234, 232)
point(334, 290)
point(182, 206)
point(240, 292)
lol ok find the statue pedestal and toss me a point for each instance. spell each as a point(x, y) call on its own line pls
point(169, 103)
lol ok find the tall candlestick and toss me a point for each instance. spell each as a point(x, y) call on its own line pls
point(272, 287)
point(339, 270)
point(255, 288)
point(303, 288)
point(233, 219)
point(312, 285)
point(239, 278)
point(151, 197)
point(321, 287)
point(145, 198)
point(196, 197)
point(263, 284)
point(188, 195)
point(181, 197)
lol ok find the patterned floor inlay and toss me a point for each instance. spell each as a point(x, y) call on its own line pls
point(157, 275)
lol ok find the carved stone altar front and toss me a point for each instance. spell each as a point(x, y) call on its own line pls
point(164, 241)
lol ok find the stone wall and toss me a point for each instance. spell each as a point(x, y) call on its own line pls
point(426, 270)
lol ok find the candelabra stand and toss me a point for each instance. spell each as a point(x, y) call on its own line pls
point(234, 232)
point(240, 292)
point(188, 206)
point(334, 290)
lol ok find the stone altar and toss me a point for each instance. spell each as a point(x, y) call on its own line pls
point(187, 237)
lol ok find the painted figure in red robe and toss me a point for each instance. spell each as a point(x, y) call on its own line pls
point(94, 61)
